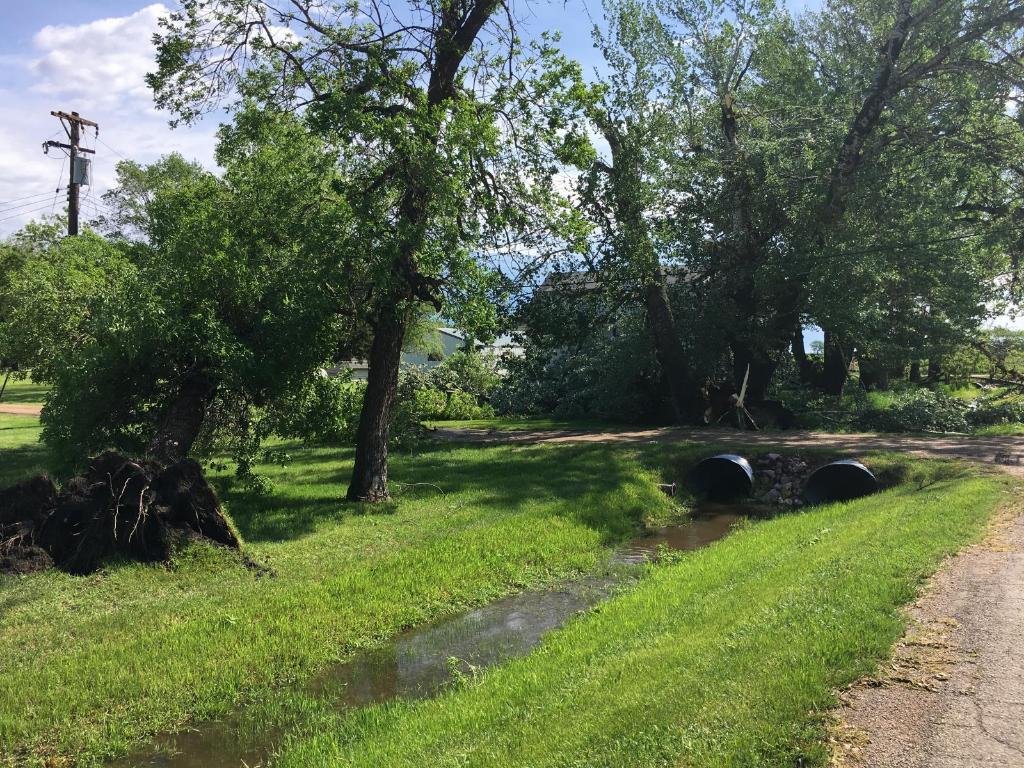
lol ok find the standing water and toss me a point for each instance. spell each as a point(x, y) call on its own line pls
point(419, 663)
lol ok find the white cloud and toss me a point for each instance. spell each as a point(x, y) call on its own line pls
point(97, 69)
point(103, 62)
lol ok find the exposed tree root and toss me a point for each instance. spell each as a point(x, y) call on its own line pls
point(135, 509)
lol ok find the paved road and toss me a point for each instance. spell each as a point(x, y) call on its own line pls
point(953, 695)
point(1007, 452)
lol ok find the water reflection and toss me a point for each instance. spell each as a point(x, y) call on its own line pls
point(418, 663)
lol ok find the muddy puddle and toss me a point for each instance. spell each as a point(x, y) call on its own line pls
point(421, 662)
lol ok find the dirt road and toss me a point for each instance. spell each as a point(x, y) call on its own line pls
point(1007, 452)
point(21, 409)
point(953, 695)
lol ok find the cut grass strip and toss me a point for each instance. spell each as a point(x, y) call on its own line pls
point(92, 665)
point(24, 391)
point(727, 658)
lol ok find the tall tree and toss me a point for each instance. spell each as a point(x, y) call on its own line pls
point(633, 193)
point(445, 126)
point(798, 121)
point(909, 162)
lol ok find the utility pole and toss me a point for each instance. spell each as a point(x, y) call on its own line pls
point(72, 124)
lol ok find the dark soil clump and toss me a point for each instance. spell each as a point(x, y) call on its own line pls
point(117, 507)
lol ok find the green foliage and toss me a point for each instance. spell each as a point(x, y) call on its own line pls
point(48, 291)
point(990, 410)
point(917, 410)
point(457, 389)
point(608, 372)
point(231, 278)
point(465, 370)
point(325, 409)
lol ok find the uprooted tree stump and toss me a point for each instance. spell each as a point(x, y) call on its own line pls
point(135, 509)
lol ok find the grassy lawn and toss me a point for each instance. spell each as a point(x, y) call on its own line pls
point(715, 660)
point(91, 665)
point(996, 430)
point(21, 453)
point(24, 391)
point(728, 658)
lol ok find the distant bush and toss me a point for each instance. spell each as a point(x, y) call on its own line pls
point(458, 389)
point(430, 402)
point(468, 372)
point(325, 409)
point(917, 410)
point(987, 412)
point(610, 373)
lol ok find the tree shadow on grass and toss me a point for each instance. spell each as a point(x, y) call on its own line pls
point(26, 458)
point(574, 479)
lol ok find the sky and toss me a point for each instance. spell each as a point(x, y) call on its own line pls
point(91, 56)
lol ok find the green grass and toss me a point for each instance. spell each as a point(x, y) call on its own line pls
point(728, 658)
point(997, 430)
point(23, 391)
point(967, 393)
point(21, 453)
point(91, 665)
point(716, 660)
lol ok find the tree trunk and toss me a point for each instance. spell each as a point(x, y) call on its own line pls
point(886, 85)
point(669, 352)
point(638, 249)
point(883, 379)
point(873, 374)
point(838, 356)
point(915, 372)
point(803, 365)
point(183, 421)
point(762, 369)
point(453, 38)
point(934, 369)
point(370, 473)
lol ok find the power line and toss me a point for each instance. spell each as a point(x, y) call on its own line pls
point(26, 197)
point(25, 205)
point(56, 192)
point(25, 213)
point(914, 244)
point(101, 141)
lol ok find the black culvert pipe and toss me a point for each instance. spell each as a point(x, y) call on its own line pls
point(725, 476)
point(839, 481)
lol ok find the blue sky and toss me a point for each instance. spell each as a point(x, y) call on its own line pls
point(90, 56)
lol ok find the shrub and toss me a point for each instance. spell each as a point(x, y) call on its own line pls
point(917, 410)
point(986, 412)
point(466, 371)
point(463, 405)
point(325, 409)
point(429, 403)
point(610, 374)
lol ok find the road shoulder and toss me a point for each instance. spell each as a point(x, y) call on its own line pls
point(952, 695)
